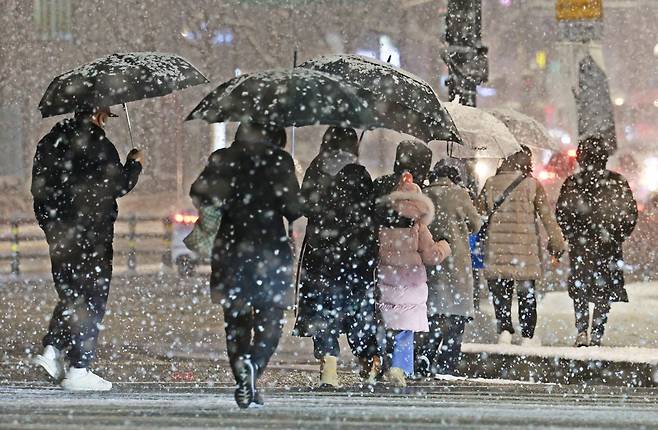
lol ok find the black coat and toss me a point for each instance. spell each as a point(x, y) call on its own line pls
point(77, 176)
point(597, 213)
point(252, 256)
point(338, 260)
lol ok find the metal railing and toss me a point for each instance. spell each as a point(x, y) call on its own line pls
point(21, 239)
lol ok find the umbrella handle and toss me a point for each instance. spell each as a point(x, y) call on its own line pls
point(130, 128)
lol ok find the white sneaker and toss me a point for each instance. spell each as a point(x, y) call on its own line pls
point(531, 342)
point(84, 380)
point(51, 360)
point(505, 338)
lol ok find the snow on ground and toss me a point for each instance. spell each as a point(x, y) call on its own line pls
point(631, 324)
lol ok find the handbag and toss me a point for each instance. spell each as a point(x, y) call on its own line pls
point(477, 240)
point(202, 237)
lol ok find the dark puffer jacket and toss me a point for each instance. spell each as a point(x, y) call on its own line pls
point(77, 175)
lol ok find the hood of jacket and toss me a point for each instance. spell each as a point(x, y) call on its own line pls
point(333, 162)
point(412, 205)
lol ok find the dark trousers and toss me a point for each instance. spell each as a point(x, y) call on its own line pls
point(442, 345)
point(361, 337)
point(502, 291)
point(81, 260)
point(599, 318)
point(252, 331)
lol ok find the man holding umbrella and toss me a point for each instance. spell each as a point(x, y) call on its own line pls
point(76, 178)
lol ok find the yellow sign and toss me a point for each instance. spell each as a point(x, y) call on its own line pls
point(540, 59)
point(567, 10)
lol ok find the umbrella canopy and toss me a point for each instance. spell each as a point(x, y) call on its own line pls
point(525, 129)
point(595, 113)
point(483, 135)
point(118, 79)
point(285, 98)
point(399, 100)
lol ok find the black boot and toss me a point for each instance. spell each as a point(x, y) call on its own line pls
point(246, 391)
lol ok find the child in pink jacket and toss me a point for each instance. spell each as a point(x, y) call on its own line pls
point(402, 278)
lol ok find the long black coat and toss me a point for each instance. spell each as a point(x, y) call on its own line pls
point(597, 213)
point(252, 257)
point(77, 176)
point(337, 273)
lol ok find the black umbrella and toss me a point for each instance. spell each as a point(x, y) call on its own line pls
point(293, 97)
point(399, 100)
point(118, 79)
point(595, 112)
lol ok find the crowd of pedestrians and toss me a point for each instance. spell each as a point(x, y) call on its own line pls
point(387, 263)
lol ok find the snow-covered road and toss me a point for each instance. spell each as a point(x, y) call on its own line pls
point(449, 404)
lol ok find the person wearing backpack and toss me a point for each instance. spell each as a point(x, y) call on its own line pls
point(336, 294)
point(513, 200)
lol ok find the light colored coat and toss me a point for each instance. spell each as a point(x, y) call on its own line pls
point(403, 254)
point(451, 284)
point(512, 248)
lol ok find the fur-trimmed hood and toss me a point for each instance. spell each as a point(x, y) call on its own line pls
point(412, 205)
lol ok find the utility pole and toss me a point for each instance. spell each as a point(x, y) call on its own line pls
point(465, 56)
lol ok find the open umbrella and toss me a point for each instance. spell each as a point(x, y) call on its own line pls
point(483, 135)
point(118, 79)
point(399, 100)
point(292, 97)
point(525, 129)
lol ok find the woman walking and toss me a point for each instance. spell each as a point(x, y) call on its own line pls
point(254, 183)
point(338, 259)
point(512, 245)
point(450, 300)
point(402, 278)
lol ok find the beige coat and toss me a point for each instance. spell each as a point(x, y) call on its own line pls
point(512, 248)
point(451, 284)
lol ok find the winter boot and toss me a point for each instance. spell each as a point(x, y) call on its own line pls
point(81, 379)
point(505, 338)
point(370, 370)
point(329, 372)
point(52, 361)
point(581, 340)
point(246, 391)
point(396, 376)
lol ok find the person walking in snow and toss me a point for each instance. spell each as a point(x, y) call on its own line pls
point(254, 183)
point(336, 295)
point(401, 275)
point(512, 253)
point(450, 303)
point(77, 177)
point(597, 212)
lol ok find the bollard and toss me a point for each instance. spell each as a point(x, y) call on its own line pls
point(166, 241)
point(15, 255)
point(132, 253)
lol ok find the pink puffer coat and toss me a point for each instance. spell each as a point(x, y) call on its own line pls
point(403, 254)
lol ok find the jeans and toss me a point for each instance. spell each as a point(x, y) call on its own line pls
point(502, 291)
point(81, 262)
point(442, 346)
point(252, 331)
